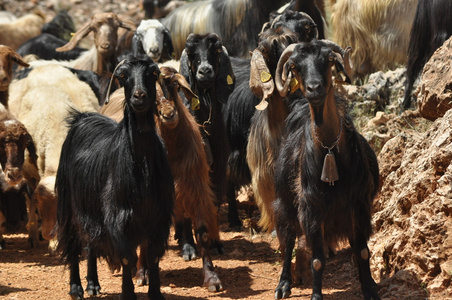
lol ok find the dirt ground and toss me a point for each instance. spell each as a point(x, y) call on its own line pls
point(249, 269)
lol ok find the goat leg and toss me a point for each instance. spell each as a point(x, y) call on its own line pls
point(184, 237)
point(93, 286)
point(211, 280)
point(287, 243)
point(32, 225)
point(76, 289)
point(127, 291)
point(142, 275)
point(235, 224)
point(362, 255)
point(317, 263)
point(152, 258)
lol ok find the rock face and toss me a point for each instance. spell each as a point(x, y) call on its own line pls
point(412, 244)
point(435, 88)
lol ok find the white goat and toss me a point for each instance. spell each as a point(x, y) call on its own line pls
point(153, 39)
point(15, 33)
point(41, 101)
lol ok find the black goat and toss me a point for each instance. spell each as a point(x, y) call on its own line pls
point(55, 34)
point(115, 188)
point(432, 26)
point(310, 7)
point(206, 66)
point(241, 104)
point(326, 174)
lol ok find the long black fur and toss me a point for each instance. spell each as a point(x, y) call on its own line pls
point(432, 26)
point(114, 185)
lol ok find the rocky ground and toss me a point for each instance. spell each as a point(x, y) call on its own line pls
point(411, 248)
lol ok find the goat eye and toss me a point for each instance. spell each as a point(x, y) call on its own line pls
point(219, 50)
point(306, 26)
point(155, 73)
point(331, 58)
point(121, 75)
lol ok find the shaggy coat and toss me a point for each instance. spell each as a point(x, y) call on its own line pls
point(115, 188)
point(237, 22)
point(308, 200)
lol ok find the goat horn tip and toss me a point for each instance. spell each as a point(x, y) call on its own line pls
point(262, 105)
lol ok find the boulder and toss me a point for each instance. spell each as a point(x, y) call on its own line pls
point(434, 92)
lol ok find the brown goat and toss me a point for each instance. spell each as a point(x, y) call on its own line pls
point(267, 123)
point(105, 28)
point(7, 58)
point(194, 197)
point(14, 140)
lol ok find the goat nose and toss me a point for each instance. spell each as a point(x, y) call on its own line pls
point(14, 174)
point(105, 46)
point(139, 94)
point(313, 87)
point(154, 50)
point(205, 70)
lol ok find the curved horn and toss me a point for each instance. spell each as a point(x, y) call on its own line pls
point(107, 99)
point(126, 23)
point(345, 55)
point(76, 38)
point(282, 84)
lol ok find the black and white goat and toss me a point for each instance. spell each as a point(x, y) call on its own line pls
point(115, 188)
point(326, 173)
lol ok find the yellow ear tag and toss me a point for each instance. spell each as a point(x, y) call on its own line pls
point(194, 103)
point(293, 85)
point(265, 76)
point(229, 80)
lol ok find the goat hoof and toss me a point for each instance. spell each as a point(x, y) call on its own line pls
point(142, 277)
point(316, 297)
point(188, 252)
point(2, 244)
point(76, 292)
point(217, 247)
point(128, 296)
point(215, 288)
point(92, 288)
point(370, 294)
point(212, 282)
point(283, 290)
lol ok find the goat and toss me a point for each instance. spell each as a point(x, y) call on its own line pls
point(206, 66)
point(119, 194)
point(55, 34)
point(151, 38)
point(160, 8)
point(32, 101)
point(7, 58)
point(194, 197)
point(313, 8)
point(431, 28)
point(240, 107)
point(102, 55)
point(267, 122)
point(237, 22)
point(15, 181)
point(326, 174)
point(378, 32)
point(15, 33)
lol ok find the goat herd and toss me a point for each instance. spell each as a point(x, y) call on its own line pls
point(106, 148)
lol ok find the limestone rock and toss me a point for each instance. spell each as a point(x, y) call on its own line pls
point(435, 87)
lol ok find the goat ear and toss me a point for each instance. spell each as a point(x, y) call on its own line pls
point(261, 82)
point(225, 81)
point(184, 68)
point(168, 48)
point(137, 45)
point(76, 38)
point(126, 23)
point(32, 150)
point(15, 57)
point(185, 87)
